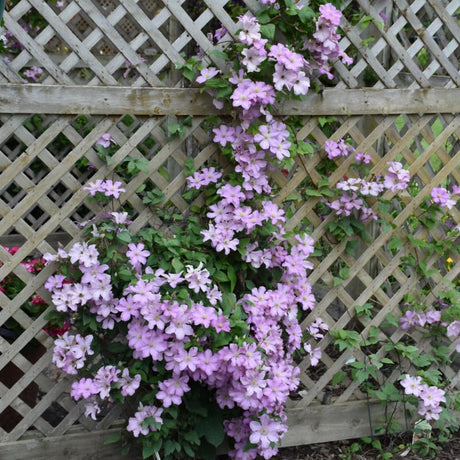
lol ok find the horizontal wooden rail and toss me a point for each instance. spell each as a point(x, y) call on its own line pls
point(308, 425)
point(119, 100)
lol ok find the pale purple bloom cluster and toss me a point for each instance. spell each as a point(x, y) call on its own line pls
point(105, 140)
point(217, 35)
point(289, 69)
point(337, 149)
point(317, 328)
point(207, 74)
point(137, 424)
point(203, 178)
point(313, 353)
point(107, 187)
point(430, 397)
point(105, 379)
point(397, 177)
point(419, 318)
point(256, 376)
point(453, 332)
point(137, 254)
point(34, 73)
point(363, 158)
point(325, 44)
point(348, 202)
point(94, 284)
point(444, 198)
point(70, 352)
point(250, 30)
point(354, 189)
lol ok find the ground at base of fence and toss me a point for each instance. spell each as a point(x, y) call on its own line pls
point(341, 450)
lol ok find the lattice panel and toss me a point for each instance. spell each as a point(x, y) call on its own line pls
point(137, 42)
point(406, 44)
point(429, 145)
point(45, 160)
point(134, 42)
point(41, 195)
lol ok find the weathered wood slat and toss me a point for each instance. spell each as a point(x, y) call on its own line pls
point(177, 101)
point(318, 423)
point(428, 40)
point(155, 34)
point(84, 53)
point(82, 446)
point(35, 50)
point(322, 423)
point(115, 37)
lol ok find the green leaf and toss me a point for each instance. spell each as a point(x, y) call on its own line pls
point(338, 377)
point(154, 197)
point(189, 74)
point(220, 276)
point(216, 83)
point(268, 31)
point(232, 277)
point(219, 54)
point(177, 265)
point(325, 120)
point(192, 437)
point(351, 246)
point(212, 428)
point(364, 310)
point(148, 450)
point(263, 16)
point(242, 245)
point(305, 148)
point(113, 438)
point(175, 130)
point(116, 347)
point(125, 274)
point(188, 450)
point(422, 360)
point(395, 243)
point(189, 166)
point(142, 165)
point(313, 192)
point(346, 339)
point(344, 273)
point(362, 375)
point(306, 14)
point(124, 237)
point(228, 303)
point(391, 320)
point(169, 447)
point(337, 281)
point(207, 451)
point(224, 92)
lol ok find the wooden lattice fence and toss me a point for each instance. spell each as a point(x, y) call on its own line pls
point(109, 66)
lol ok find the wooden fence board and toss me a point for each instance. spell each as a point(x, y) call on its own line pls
point(106, 100)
